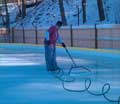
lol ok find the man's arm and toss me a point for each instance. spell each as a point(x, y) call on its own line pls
point(60, 40)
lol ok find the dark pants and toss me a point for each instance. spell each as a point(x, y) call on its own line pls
point(50, 57)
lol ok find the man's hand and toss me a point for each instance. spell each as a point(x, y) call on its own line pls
point(63, 44)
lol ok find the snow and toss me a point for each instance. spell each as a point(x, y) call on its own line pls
point(48, 12)
point(92, 12)
point(19, 59)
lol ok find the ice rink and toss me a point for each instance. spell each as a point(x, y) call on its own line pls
point(25, 80)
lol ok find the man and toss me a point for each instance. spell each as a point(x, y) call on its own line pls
point(51, 38)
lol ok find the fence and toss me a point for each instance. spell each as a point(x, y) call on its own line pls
point(4, 36)
point(88, 36)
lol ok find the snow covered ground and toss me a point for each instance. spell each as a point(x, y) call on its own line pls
point(24, 79)
point(48, 12)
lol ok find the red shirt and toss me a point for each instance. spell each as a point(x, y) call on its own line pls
point(53, 35)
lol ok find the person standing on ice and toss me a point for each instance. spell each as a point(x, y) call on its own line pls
point(51, 38)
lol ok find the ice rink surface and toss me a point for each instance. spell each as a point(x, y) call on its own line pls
point(25, 80)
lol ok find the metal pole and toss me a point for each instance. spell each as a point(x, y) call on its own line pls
point(70, 56)
point(96, 37)
point(13, 35)
point(71, 35)
point(36, 35)
point(23, 34)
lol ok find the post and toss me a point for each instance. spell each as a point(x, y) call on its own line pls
point(23, 34)
point(71, 35)
point(36, 35)
point(96, 37)
point(13, 35)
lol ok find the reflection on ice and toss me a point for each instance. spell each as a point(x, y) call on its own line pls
point(21, 59)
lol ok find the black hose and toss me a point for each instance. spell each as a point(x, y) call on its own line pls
point(60, 75)
point(87, 84)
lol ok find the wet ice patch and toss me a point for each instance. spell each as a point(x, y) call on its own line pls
point(21, 59)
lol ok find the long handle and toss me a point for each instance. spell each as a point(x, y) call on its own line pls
point(74, 61)
point(70, 56)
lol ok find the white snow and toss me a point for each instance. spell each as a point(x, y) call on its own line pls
point(48, 12)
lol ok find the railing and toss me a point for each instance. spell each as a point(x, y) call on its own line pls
point(86, 36)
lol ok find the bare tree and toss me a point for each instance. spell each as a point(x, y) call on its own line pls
point(23, 9)
point(7, 14)
point(36, 2)
point(84, 10)
point(101, 10)
point(19, 8)
point(62, 11)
